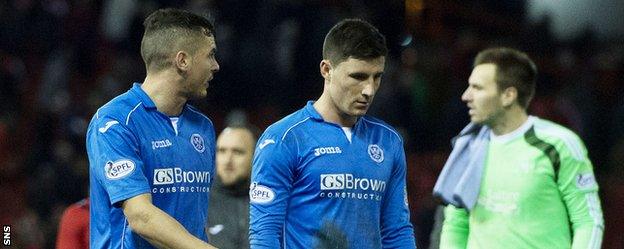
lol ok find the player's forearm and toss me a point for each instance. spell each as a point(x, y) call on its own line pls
point(399, 237)
point(580, 195)
point(264, 233)
point(161, 230)
point(256, 241)
point(452, 240)
point(454, 228)
point(396, 229)
point(257, 244)
point(453, 237)
point(588, 237)
point(587, 221)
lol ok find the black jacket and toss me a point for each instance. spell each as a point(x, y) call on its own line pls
point(228, 215)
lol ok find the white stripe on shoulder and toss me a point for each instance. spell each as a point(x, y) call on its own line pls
point(198, 112)
point(128, 117)
point(293, 126)
point(568, 137)
point(384, 126)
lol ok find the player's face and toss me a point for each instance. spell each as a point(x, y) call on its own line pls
point(234, 153)
point(204, 66)
point(353, 84)
point(482, 96)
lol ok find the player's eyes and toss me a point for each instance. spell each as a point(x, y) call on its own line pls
point(360, 77)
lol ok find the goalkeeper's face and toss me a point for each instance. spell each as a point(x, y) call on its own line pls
point(483, 98)
point(234, 153)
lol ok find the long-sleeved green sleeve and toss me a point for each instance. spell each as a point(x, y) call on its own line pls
point(455, 228)
point(579, 191)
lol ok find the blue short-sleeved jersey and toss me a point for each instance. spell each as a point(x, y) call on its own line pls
point(134, 149)
point(313, 188)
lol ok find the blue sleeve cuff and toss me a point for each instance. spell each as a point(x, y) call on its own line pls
point(116, 199)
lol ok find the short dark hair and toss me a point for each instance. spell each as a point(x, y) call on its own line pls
point(255, 131)
point(353, 38)
point(513, 69)
point(168, 31)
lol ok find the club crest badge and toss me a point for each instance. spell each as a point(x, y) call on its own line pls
point(376, 153)
point(198, 143)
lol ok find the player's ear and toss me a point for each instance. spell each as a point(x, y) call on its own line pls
point(325, 68)
point(182, 61)
point(509, 96)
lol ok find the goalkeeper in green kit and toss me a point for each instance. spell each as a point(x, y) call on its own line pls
point(514, 180)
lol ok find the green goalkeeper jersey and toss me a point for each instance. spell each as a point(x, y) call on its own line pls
point(538, 191)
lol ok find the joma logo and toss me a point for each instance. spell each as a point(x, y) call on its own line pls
point(327, 150)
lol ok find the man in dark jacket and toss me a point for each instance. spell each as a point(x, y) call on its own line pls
point(229, 211)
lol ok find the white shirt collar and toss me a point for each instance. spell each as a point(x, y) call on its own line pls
point(514, 134)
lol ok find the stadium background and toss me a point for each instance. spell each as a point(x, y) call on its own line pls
point(61, 59)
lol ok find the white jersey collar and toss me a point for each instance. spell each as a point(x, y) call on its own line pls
point(514, 134)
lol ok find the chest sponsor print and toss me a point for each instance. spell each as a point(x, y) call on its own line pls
point(348, 186)
point(173, 180)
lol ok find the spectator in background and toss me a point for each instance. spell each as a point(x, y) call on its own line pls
point(151, 154)
point(515, 180)
point(228, 215)
point(73, 232)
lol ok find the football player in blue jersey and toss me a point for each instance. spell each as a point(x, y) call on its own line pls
point(151, 154)
point(328, 176)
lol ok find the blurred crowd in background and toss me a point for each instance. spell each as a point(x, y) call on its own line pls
point(62, 59)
